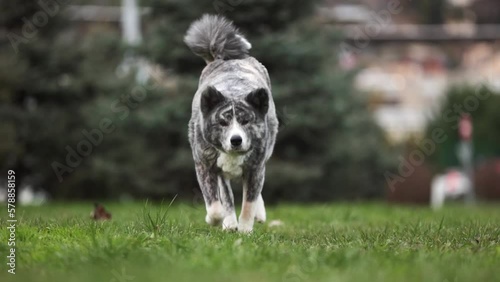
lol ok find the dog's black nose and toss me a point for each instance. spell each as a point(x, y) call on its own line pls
point(236, 140)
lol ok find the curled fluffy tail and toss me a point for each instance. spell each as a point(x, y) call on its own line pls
point(215, 37)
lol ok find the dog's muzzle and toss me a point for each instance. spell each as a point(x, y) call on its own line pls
point(236, 141)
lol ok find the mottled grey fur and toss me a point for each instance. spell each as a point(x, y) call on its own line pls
point(233, 99)
point(214, 37)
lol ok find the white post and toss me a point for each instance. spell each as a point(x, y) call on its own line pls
point(131, 22)
point(131, 32)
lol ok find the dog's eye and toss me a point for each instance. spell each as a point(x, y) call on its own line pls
point(245, 119)
point(223, 122)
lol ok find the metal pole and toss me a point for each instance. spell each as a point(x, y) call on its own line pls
point(131, 22)
point(466, 154)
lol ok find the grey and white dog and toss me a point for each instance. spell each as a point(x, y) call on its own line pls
point(233, 125)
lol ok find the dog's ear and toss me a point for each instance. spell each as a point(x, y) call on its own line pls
point(210, 98)
point(259, 99)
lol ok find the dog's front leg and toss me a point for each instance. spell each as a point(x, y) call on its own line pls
point(208, 180)
point(226, 196)
point(260, 212)
point(252, 187)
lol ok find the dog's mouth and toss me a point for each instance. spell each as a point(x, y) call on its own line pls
point(237, 152)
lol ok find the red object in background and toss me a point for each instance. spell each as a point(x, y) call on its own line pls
point(452, 181)
point(465, 127)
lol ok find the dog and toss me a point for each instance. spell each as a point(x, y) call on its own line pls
point(233, 125)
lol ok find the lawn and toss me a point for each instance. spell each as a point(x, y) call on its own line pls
point(328, 242)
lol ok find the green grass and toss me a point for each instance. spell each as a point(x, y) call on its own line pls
point(334, 242)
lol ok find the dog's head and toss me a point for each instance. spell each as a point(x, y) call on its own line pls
point(236, 125)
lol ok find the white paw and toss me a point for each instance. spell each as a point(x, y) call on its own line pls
point(215, 214)
point(260, 212)
point(230, 223)
point(245, 227)
point(260, 218)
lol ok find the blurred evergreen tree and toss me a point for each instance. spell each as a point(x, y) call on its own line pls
point(57, 81)
point(41, 89)
point(65, 81)
point(329, 147)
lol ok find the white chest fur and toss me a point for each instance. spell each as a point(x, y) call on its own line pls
point(231, 165)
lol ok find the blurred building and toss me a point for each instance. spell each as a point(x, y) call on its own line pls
point(405, 66)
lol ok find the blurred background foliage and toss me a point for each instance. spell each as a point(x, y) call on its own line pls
point(66, 80)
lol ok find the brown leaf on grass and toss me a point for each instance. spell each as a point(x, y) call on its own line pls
point(100, 213)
